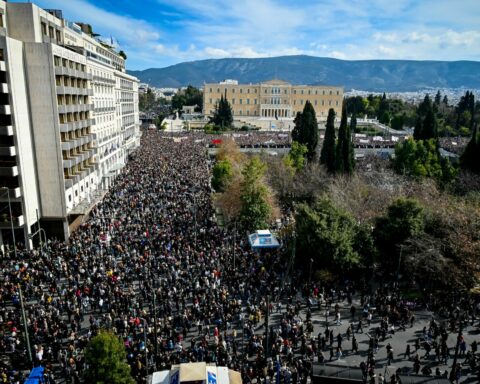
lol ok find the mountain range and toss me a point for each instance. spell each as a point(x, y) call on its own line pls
point(368, 75)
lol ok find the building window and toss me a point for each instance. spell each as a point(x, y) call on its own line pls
point(329, 102)
point(323, 103)
point(76, 193)
point(315, 102)
point(248, 101)
point(210, 101)
point(241, 91)
point(44, 28)
point(336, 103)
point(69, 198)
point(338, 93)
point(255, 101)
point(233, 101)
point(248, 90)
point(240, 112)
point(241, 100)
point(210, 90)
point(1, 21)
point(330, 92)
point(302, 91)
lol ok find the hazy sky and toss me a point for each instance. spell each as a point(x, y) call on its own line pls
point(158, 33)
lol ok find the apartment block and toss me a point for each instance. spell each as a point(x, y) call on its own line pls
point(272, 99)
point(62, 141)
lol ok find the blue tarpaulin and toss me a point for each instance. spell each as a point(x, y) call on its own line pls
point(36, 376)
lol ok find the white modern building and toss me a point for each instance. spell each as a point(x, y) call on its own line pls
point(66, 128)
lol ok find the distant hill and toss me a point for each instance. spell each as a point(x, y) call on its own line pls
point(369, 75)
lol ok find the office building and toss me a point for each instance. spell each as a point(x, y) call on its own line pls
point(66, 123)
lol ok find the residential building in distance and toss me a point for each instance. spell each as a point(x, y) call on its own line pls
point(274, 99)
point(68, 121)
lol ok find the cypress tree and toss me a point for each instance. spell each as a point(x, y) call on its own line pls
point(470, 158)
point(429, 130)
point(341, 143)
point(349, 154)
point(327, 155)
point(223, 116)
point(307, 132)
point(418, 131)
point(298, 127)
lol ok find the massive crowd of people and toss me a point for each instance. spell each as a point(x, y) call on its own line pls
point(150, 263)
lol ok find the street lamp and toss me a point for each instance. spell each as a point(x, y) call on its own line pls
point(24, 317)
point(145, 341)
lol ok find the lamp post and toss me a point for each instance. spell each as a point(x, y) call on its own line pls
point(145, 341)
point(24, 317)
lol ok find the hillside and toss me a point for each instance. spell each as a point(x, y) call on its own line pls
point(370, 75)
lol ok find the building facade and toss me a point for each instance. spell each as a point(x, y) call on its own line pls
point(272, 99)
point(60, 125)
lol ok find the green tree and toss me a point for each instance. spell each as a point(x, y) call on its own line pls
point(339, 149)
point(146, 101)
point(297, 154)
point(422, 159)
point(255, 209)
point(398, 121)
point(105, 357)
point(344, 156)
point(430, 127)
point(188, 96)
point(222, 116)
point(327, 155)
point(306, 129)
point(348, 151)
point(470, 158)
point(222, 173)
point(297, 128)
point(384, 118)
point(405, 218)
point(326, 234)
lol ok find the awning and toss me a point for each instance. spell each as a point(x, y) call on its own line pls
point(193, 372)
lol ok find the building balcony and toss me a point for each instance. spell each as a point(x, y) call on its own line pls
point(71, 162)
point(14, 193)
point(67, 127)
point(5, 110)
point(62, 90)
point(8, 151)
point(8, 171)
point(6, 223)
point(6, 130)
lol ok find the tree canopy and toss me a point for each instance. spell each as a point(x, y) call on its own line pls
point(106, 360)
point(255, 209)
point(223, 116)
point(326, 233)
point(306, 129)
point(327, 155)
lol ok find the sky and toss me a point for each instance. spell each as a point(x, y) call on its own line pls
point(159, 33)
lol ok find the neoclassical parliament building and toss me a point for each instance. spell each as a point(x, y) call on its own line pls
point(274, 99)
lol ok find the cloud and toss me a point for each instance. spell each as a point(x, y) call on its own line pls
point(185, 30)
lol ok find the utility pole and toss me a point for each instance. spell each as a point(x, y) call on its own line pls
point(24, 317)
point(267, 345)
point(155, 324)
point(454, 365)
point(234, 243)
